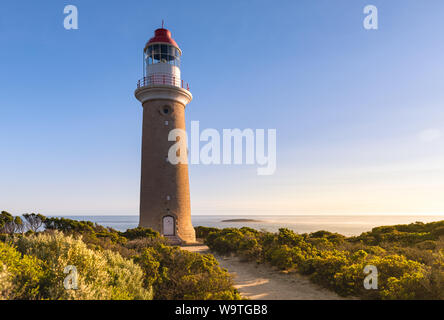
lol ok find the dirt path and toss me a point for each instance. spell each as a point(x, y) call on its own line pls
point(261, 282)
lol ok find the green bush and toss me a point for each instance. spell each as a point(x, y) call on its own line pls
point(180, 274)
point(226, 241)
point(438, 232)
point(288, 237)
point(101, 275)
point(20, 275)
point(281, 257)
point(105, 261)
point(126, 278)
point(138, 263)
point(140, 232)
point(409, 258)
point(203, 232)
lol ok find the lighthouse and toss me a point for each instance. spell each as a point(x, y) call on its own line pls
point(164, 189)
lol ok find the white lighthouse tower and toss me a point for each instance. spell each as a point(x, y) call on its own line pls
point(165, 191)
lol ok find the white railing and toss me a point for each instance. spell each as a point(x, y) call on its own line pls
point(166, 79)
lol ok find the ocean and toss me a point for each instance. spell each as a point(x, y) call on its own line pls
point(348, 225)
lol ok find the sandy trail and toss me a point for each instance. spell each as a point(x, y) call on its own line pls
point(261, 282)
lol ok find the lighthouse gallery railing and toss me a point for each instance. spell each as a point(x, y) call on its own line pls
point(162, 79)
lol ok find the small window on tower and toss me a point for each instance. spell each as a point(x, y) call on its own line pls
point(166, 110)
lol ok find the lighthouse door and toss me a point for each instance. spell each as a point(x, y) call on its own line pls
point(168, 226)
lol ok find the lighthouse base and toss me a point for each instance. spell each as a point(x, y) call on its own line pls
point(174, 240)
point(177, 230)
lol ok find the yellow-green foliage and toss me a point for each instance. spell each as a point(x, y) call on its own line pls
point(180, 274)
point(409, 258)
point(19, 274)
point(104, 261)
point(101, 274)
point(93, 231)
point(403, 234)
point(126, 278)
point(203, 232)
point(6, 286)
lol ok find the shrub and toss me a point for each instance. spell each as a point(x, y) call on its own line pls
point(203, 232)
point(438, 232)
point(126, 278)
point(250, 249)
point(101, 275)
point(138, 245)
point(20, 275)
point(398, 278)
point(409, 286)
point(409, 258)
point(280, 256)
point(326, 265)
point(288, 237)
point(225, 241)
point(6, 286)
point(179, 274)
point(140, 232)
point(104, 257)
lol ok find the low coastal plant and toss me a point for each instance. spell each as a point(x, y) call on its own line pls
point(409, 258)
point(20, 275)
point(179, 274)
point(136, 264)
point(36, 265)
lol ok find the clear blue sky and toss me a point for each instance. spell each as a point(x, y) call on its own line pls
point(359, 114)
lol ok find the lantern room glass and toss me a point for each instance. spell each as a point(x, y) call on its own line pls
point(162, 53)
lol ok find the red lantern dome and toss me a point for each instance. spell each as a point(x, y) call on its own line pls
point(162, 35)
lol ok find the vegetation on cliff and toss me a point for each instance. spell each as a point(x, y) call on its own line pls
point(136, 264)
point(409, 258)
